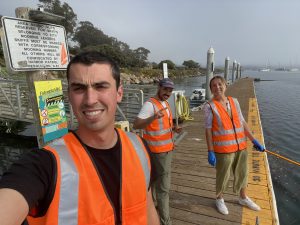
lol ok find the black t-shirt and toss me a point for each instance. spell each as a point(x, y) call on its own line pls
point(33, 176)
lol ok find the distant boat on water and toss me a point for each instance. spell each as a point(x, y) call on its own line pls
point(294, 70)
point(280, 69)
point(265, 70)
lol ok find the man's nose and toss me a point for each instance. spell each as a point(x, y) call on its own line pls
point(91, 96)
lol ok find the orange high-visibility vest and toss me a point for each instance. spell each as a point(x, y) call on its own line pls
point(228, 134)
point(80, 197)
point(158, 133)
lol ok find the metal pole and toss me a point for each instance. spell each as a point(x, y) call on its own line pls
point(238, 71)
point(165, 70)
point(233, 71)
point(226, 71)
point(210, 71)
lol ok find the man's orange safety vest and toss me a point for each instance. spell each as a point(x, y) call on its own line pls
point(80, 197)
point(158, 133)
point(228, 133)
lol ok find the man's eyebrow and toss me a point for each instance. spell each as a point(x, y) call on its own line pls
point(77, 84)
point(93, 84)
point(101, 83)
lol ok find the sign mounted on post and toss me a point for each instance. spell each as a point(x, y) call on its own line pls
point(34, 45)
point(51, 106)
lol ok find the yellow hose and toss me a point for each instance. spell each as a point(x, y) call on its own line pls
point(182, 108)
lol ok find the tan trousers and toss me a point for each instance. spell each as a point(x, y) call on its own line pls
point(231, 162)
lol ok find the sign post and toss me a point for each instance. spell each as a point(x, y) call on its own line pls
point(36, 48)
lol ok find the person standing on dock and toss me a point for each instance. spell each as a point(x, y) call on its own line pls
point(156, 119)
point(94, 175)
point(226, 132)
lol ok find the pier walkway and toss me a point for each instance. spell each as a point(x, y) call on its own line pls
point(192, 196)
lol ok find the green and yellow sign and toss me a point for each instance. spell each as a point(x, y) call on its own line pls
point(52, 111)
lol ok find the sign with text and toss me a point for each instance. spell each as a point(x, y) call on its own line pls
point(35, 45)
point(51, 106)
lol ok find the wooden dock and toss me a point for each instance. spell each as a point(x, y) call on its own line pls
point(192, 195)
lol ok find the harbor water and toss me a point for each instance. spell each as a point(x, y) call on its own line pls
point(278, 98)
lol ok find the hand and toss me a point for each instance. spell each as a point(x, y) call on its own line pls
point(177, 129)
point(159, 114)
point(211, 158)
point(258, 146)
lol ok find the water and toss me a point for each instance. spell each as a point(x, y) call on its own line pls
point(279, 107)
point(280, 112)
point(189, 84)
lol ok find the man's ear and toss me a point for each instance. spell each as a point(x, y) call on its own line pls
point(120, 93)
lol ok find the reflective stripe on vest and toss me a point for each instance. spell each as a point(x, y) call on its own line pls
point(225, 143)
point(231, 138)
point(66, 203)
point(158, 133)
point(142, 156)
point(69, 181)
point(160, 143)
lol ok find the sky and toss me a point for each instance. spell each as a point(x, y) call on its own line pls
point(252, 32)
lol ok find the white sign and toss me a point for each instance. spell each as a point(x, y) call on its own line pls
point(35, 45)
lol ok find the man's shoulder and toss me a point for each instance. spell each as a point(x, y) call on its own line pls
point(60, 140)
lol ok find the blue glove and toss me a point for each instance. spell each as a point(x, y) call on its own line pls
point(258, 146)
point(211, 158)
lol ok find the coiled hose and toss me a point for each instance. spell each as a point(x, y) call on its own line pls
point(182, 108)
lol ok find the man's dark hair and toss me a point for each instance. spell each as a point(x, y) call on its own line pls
point(90, 57)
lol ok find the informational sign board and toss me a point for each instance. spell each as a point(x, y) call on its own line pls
point(51, 109)
point(34, 45)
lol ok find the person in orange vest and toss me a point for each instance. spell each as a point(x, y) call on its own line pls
point(226, 132)
point(95, 175)
point(155, 118)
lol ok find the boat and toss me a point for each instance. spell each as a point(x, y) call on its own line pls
point(265, 70)
point(294, 70)
point(197, 97)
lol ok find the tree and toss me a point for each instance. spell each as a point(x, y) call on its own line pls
point(191, 64)
point(110, 51)
point(154, 65)
point(171, 65)
point(141, 54)
point(88, 35)
point(55, 7)
point(129, 59)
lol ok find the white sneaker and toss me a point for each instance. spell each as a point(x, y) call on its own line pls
point(221, 206)
point(249, 203)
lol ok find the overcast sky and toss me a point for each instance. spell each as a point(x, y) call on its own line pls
point(249, 31)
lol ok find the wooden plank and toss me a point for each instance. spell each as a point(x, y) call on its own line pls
point(185, 216)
